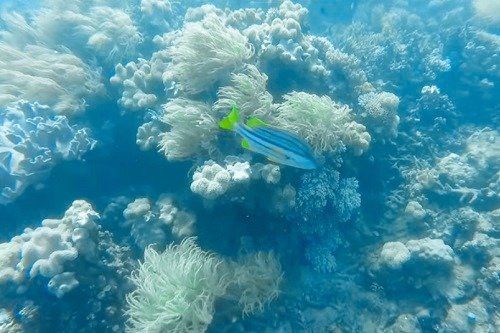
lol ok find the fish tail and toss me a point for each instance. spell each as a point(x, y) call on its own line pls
point(231, 120)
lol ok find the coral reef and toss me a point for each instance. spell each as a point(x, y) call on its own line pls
point(114, 106)
point(32, 141)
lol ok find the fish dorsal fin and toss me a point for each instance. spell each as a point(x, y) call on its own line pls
point(254, 122)
point(245, 144)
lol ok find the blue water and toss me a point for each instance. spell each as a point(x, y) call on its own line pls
point(125, 208)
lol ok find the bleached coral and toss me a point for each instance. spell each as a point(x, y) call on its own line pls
point(192, 128)
point(32, 141)
point(415, 211)
point(424, 253)
point(394, 43)
point(240, 171)
point(432, 106)
point(211, 180)
point(380, 112)
point(148, 135)
point(9, 252)
point(468, 174)
point(327, 125)
point(8, 323)
point(205, 52)
point(471, 174)
point(143, 227)
point(279, 38)
point(150, 7)
point(48, 250)
point(154, 223)
point(38, 74)
point(44, 252)
point(136, 79)
point(141, 82)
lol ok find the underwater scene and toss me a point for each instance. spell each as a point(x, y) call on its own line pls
point(225, 166)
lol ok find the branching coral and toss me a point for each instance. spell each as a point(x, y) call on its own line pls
point(323, 203)
point(380, 112)
point(327, 125)
point(399, 48)
point(205, 52)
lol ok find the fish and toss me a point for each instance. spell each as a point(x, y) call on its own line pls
point(277, 145)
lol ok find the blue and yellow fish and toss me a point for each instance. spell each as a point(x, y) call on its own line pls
point(275, 144)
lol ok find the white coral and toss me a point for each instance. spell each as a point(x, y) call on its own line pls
point(48, 249)
point(380, 112)
point(211, 180)
point(394, 255)
point(192, 129)
point(248, 92)
point(138, 83)
point(431, 251)
point(257, 280)
point(182, 222)
point(38, 74)
point(148, 135)
point(204, 53)
point(240, 172)
point(32, 141)
point(327, 125)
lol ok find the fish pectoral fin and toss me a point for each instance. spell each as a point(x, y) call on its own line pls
point(245, 144)
point(278, 156)
point(254, 122)
point(279, 152)
point(270, 159)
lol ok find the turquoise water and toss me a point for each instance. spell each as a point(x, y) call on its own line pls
point(125, 208)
